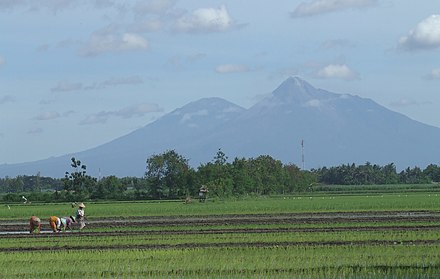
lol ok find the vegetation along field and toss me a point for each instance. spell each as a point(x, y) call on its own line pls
point(380, 235)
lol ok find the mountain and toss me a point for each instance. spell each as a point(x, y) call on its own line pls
point(335, 129)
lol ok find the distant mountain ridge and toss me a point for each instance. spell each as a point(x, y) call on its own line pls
point(336, 129)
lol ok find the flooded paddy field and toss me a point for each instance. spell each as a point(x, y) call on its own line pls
point(270, 243)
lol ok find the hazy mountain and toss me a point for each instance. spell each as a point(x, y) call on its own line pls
point(335, 128)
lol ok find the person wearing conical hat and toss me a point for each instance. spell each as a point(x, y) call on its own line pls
point(80, 216)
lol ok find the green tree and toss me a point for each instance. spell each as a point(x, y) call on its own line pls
point(168, 175)
point(242, 177)
point(389, 174)
point(109, 188)
point(432, 172)
point(413, 175)
point(78, 182)
point(298, 180)
point(139, 185)
point(216, 175)
point(268, 175)
point(16, 185)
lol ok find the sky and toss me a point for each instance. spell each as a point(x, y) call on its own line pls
point(75, 74)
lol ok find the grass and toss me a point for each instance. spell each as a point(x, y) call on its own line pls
point(402, 253)
point(354, 225)
point(288, 262)
point(264, 205)
point(282, 238)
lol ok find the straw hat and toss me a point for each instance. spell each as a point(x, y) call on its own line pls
point(81, 205)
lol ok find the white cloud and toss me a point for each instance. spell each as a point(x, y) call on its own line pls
point(64, 86)
point(315, 103)
point(138, 110)
point(48, 115)
point(434, 74)
point(147, 25)
point(132, 41)
point(98, 118)
point(121, 81)
point(206, 20)
point(426, 35)
point(231, 68)
point(340, 71)
point(111, 82)
point(102, 42)
point(317, 7)
point(188, 116)
point(53, 5)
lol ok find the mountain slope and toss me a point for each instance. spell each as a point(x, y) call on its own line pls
point(336, 129)
point(126, 156)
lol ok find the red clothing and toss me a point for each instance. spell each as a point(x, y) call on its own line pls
point(34, 224)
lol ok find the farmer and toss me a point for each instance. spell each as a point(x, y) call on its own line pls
point(202, 193)
point(55, 223)
point(34, 224)
point(66, 222)
point(80, 216)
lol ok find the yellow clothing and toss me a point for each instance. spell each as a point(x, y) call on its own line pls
point(55, 223)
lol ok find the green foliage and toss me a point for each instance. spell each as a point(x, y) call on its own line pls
point(26, 183)
point(369, 174)
point(168, 175)
point(78, 182)
point(216, 176)
point(297, 180)
point(109, 188)
point(432, 172)
point(414, 175)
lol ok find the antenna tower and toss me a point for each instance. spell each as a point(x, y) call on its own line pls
point(302, 154)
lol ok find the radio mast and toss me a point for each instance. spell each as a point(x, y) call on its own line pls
point(302, 154)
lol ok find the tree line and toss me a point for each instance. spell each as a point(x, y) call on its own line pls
point(368, 174)
point(169, 176)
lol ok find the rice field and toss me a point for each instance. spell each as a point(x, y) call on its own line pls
point(380, 236)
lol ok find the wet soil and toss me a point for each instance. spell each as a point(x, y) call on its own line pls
point(18, 228)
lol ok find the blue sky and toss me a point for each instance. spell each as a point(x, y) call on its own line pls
point(75, 74)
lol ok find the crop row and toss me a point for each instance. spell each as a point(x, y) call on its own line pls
point(288, 237)
point(245, 262)
point(377, 224)
point(134, 240)
point(394, 202)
